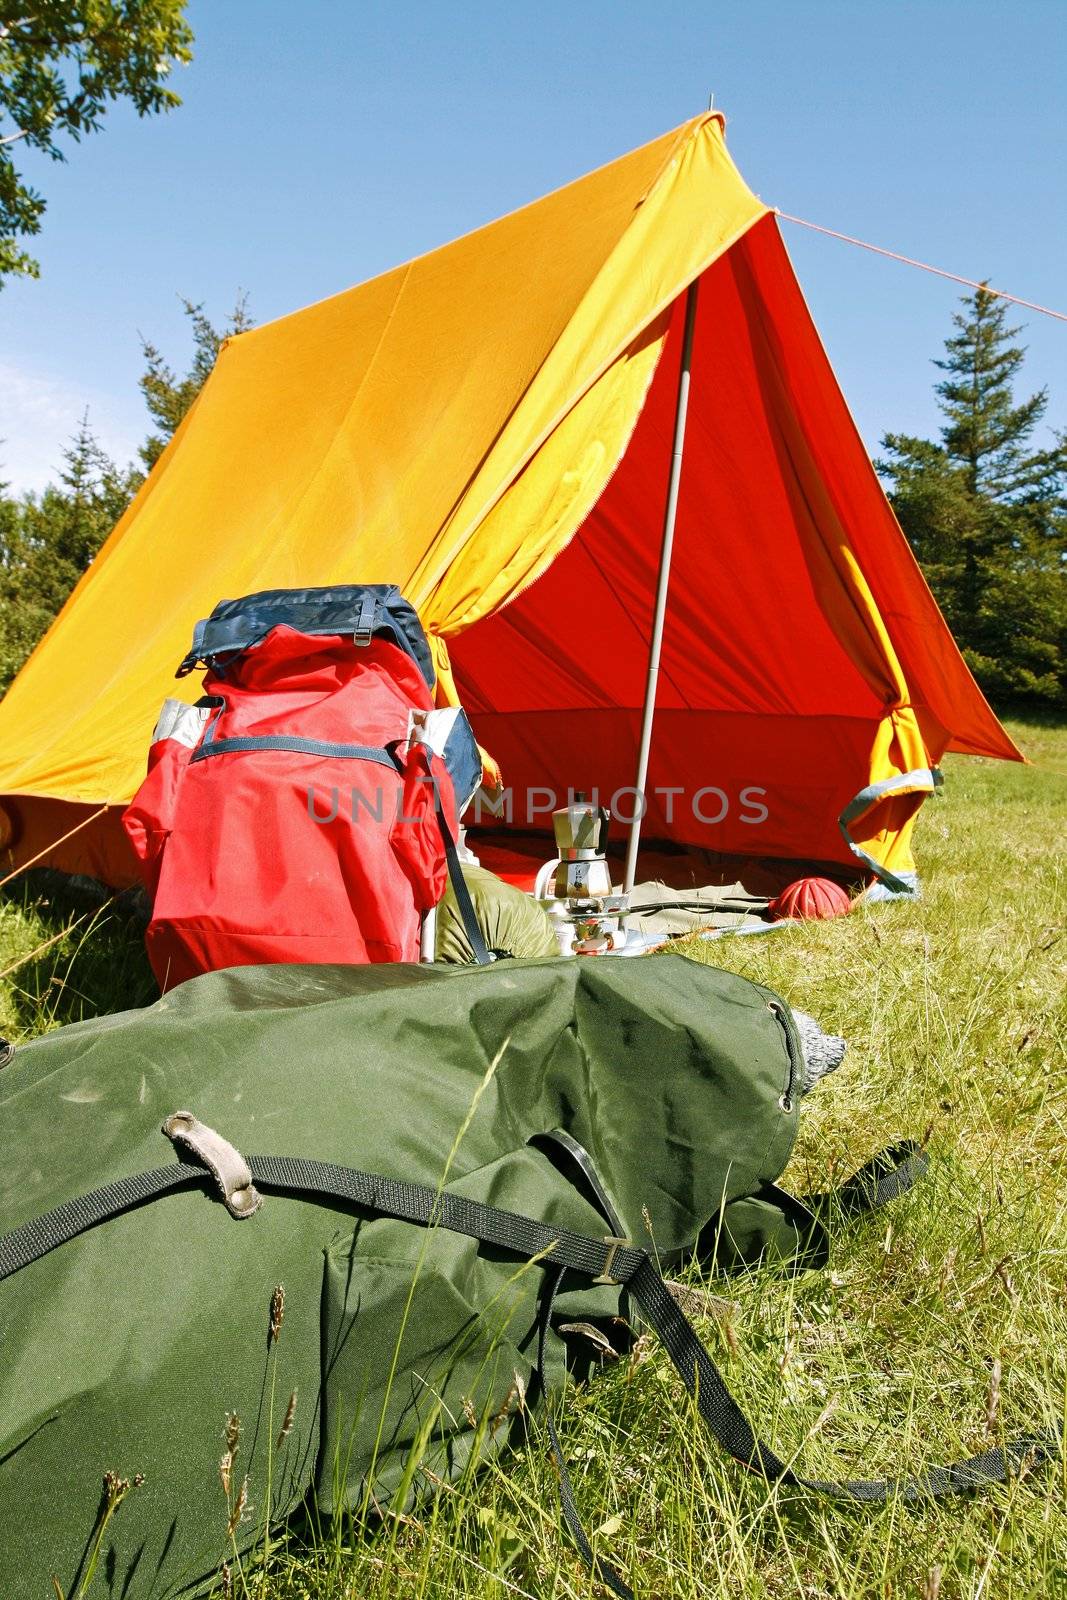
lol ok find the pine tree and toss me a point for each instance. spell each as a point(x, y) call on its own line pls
point(985, 511)
point(169, 397)
point(48, 540)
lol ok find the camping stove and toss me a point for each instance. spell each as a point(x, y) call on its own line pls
point(587, 914)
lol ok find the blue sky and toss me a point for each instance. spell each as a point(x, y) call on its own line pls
point(321, 143)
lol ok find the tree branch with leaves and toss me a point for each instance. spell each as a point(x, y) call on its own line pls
point(62, 64)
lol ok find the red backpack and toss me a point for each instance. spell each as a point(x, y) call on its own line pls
point(305, 809)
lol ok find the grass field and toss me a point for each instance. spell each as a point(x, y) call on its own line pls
point(938, 1328)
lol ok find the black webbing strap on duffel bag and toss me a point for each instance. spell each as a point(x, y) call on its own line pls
point(561, 1251)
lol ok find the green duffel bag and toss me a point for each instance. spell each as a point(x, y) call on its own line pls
point(435, 1163)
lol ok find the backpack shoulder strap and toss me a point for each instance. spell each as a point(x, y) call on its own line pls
point(482, 954)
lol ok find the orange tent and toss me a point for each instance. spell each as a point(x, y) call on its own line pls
point(490, 428)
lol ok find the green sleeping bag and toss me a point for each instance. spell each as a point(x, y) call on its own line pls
point(511, 922)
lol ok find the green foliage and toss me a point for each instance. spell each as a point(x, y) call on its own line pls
point(62, 62)
point(48, 541)
point(986, 514)
point(167, 396)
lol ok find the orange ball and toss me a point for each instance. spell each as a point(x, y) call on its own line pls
point(816, 898)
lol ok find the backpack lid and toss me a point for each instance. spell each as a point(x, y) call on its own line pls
point(364, 610)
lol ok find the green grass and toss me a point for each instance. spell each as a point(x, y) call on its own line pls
point(939, 1327)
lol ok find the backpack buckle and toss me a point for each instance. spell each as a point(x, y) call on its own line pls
point(614, 1245)
point(364, 629)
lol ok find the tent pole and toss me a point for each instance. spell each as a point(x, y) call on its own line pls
point(656, 646)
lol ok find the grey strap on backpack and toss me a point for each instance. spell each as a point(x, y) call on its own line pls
point(604, 1259)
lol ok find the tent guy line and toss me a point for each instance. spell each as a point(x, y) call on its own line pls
point(25, 865)
point(909, 261)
